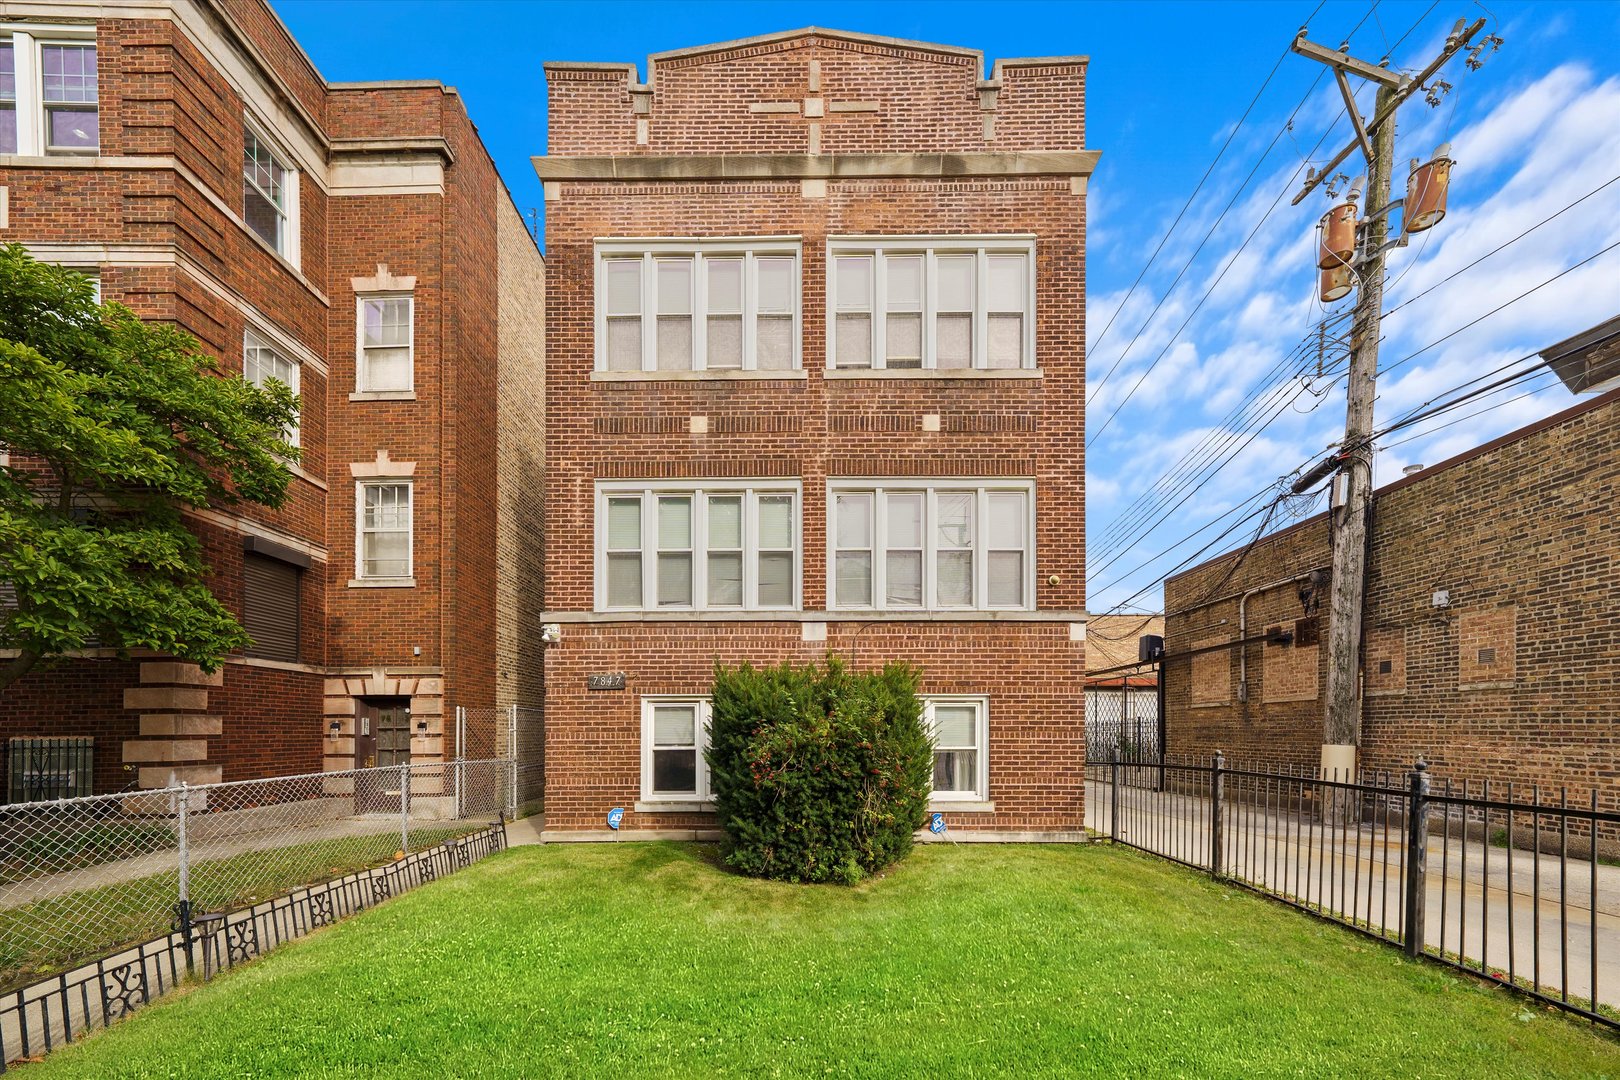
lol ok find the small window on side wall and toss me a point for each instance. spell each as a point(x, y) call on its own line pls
point(385, 361)
point(960, 728)
point(674, 734)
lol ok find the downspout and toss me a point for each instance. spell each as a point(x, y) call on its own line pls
point(1243, 625)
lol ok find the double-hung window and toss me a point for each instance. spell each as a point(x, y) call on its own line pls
point(49, 97)
point(261, 363)
point(697, 546)
point(384, 361)
point(960, 728)
point(943, 303)
point(674, 733)
point(269, 194)
point(384, 544)
point(932, 544)
point(680, 306)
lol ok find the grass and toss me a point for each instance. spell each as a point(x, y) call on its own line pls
point(57, 850)
point(62, 932)
point(635, 960)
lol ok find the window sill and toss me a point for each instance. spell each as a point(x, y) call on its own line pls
point(696, 376)
point(383, 395)
point(836, 374)
point(675, 806)
point(383, 583)
point(965, 806)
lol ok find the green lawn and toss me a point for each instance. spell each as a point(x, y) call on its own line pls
point(64, 931)
point(630, 960)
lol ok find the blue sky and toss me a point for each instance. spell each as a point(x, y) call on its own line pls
point(1534, 130)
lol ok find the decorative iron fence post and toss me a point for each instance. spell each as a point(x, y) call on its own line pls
point(182, 909)
point(1417, 862)
point(1113, 796)
point(405, 809)
point(1217, 784)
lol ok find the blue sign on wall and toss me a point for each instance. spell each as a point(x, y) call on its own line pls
point(615, 816)
point(936, 824)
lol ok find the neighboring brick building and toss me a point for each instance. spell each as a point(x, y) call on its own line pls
point(1492, 622)
point(753, 458)
point(355, 240)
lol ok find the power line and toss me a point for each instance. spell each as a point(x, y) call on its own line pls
point(1097, 345)
point(1091, 438)
point(1230, 428)
point(1481, 412)
point(1534, 288)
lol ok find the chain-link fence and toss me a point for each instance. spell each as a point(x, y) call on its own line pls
point(514, 732)
point(82, 878)
point(1124, 719)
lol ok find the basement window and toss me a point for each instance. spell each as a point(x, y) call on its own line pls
point(674, 734)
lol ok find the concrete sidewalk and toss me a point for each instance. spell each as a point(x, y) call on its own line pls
point(1522, 913)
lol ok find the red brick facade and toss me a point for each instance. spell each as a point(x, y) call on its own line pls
point(394, 192)
point(810, 136)
point(1510, 677)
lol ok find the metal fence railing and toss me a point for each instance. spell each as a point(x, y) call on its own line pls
point(512, 732)
point(1503, 882)
point(107, 901)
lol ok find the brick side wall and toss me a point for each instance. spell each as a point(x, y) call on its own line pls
point(1513, 680)
point(520, 592)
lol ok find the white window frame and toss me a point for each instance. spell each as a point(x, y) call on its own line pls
point(27, 40)
point(930, 248)
point(751, 249)
point(362, 367)
point(698, 490)
point(252, 339)
point(291, 228)
point(981, 744)
point(360, 529)
point(931, 488)
point(702, 796)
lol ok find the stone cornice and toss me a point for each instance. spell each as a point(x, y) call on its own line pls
point(815, 166)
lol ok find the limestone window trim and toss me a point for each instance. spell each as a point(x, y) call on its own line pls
point(377, 292)
point(393, 500)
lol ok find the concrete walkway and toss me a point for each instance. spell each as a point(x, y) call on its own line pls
point(1522, 913)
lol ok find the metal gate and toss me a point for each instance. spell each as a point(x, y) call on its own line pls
point(1123, 718)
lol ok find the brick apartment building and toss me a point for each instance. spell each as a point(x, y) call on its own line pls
point(355, 241)
point(1493, 602)
point(816, 375)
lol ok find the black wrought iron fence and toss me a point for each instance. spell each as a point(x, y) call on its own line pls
point(1506, 883)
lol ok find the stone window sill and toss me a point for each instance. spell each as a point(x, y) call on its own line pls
point(932, 373)
point(965, 806)
point(676, 806)
point(383, 583)
point(696, 376)
point(383, 395)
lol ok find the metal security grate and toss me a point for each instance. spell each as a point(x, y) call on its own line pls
point(41, 770)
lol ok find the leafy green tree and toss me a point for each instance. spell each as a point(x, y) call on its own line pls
point(113, 426)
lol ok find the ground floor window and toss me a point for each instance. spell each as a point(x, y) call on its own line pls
point(674, 734)
point(961, 728)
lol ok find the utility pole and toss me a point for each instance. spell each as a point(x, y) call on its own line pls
point(1352, 493)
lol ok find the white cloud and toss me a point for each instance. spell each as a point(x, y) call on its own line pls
point(1522, 153)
